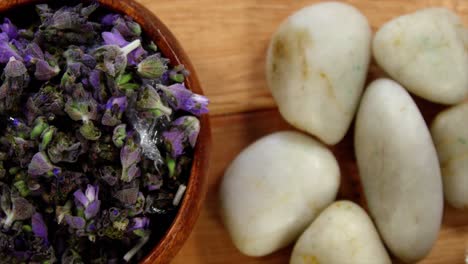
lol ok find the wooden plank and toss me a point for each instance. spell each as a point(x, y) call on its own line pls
point(210, 244)
point(227, 40)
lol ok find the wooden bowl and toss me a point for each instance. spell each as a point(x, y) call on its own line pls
point(190, 207)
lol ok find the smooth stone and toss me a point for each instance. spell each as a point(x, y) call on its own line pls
point(399, 170)
point(450, 134)
point(316, 68)
point(274, 189)
point(342, 233)
point(426, 52)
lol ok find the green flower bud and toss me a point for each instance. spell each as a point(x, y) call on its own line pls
point(152, 67)
point(22, 188)
point(39, 126)
point(27, 228)
point(152, 46)
point(47, 136)
point(129, 87)
point(120, 133)
point(14, 170)
point(179, 77)
point(90, 132)
point(171, 165)
point(124, 78)
point(139, 232)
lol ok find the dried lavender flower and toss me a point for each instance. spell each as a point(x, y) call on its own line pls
point(39, 227)
point(16, 79)
point(119, 135)
point(184, 132)
point(41, 165)
point(152, 67)
point(112, 59)
point(97, 138)
point(181, 98)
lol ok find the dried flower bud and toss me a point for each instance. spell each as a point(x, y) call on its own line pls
point(119, 135)
point(41, 165)
point(152, 67)
point(181, 98)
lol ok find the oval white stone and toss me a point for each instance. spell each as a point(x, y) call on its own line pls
point(425, 51)
point(274, 189)
point(317, 64)
point(342, 233)
point(450, 134)
point(399, 170)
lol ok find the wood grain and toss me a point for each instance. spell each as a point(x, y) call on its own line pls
point(227, 40)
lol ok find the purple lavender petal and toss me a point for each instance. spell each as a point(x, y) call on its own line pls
point(4, 37)
point(44, 71)
point(133, 172)
point(39, 228)
point(182, 98)
point(75, 222)
point(39, 165)
point(10, 29)
point(114, 38)
point(33, 53)
point(92, 209)
point(91, 227)
point(88, 60)
point(136, 56)
point(108, 20)
point(92, 192)
point(85, 82)
point(74, 69)
point(81, 197)
point(129, 157)
point(165, 78)
point(191, 126)
point(95, 79)
point(180, 94)
point(19, 44)
point(7, 51)
point(174, 139)
point(140, 52)
point(139, 223)
point(121, 102)
point(180, 122)
point(197, 105)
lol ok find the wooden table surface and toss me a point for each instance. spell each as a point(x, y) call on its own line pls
point(227, 42)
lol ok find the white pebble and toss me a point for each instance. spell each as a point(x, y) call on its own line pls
point(399, 170)
point(425, 51)
point(317, 66)
point(342, 233)
point(274, 189)
point(450, 133)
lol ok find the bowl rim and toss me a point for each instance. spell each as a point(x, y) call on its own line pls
point(190, 207)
